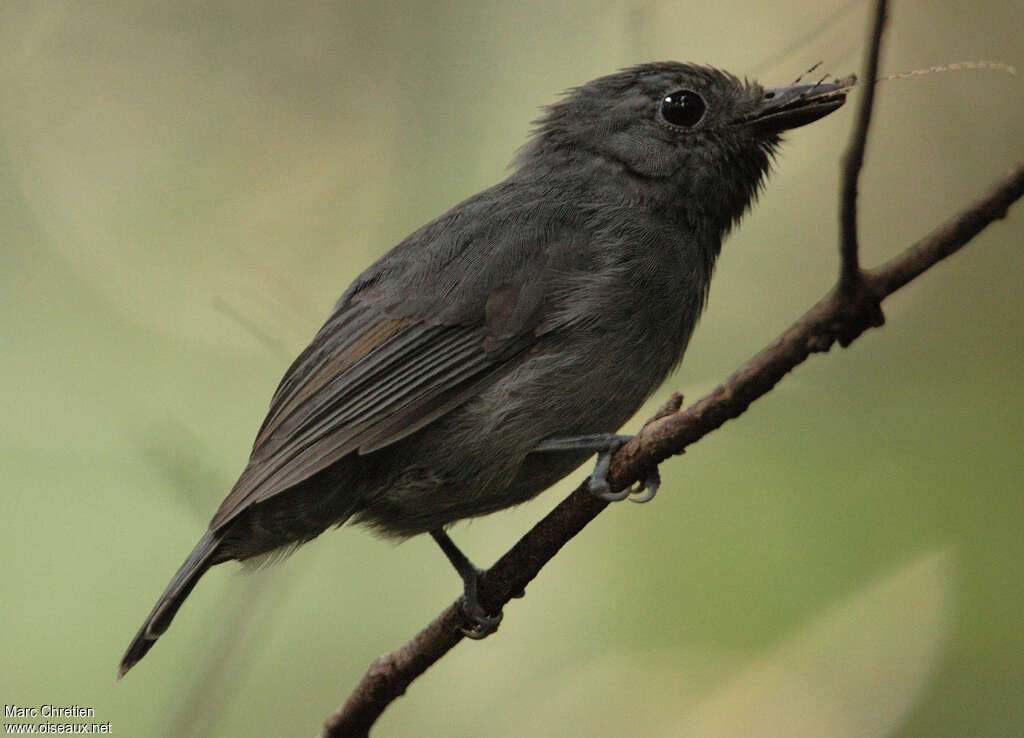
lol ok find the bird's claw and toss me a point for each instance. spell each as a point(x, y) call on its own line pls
point(599, 487)
point(482, 623)
point(649, 489)
point(606, 445)
point(608, 496)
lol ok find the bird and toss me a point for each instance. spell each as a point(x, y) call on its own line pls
point(496, 348)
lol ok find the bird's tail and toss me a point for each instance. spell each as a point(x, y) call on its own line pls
point(201, 559)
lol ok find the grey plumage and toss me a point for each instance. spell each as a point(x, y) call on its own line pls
point(550, 305)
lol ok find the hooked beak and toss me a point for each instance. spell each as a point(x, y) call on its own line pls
point(783, 108)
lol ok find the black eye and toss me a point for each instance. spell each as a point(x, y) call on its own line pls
point(683, 108)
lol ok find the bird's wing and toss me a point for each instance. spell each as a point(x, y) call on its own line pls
point(395, 355)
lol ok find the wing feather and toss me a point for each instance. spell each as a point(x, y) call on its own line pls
point(413, 338)
point(416, 374)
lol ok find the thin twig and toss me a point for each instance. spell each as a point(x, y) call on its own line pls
point(853, 160)
point(950, 236)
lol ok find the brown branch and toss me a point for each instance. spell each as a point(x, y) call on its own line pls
point(835, 316)
point(853, 160)
point(951, 235)
point(842, 315)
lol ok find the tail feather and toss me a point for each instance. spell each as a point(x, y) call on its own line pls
point(201, 559)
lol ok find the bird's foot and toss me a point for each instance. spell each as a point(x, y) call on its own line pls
point(605, 444)
point(481, 624)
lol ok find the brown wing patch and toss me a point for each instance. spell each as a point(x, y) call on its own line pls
point(327, 371)
point(377, 372)
point(407, 379)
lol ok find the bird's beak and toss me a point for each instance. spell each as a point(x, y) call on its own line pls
point(782, 108)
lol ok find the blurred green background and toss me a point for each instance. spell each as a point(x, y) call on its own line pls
point(186, 188)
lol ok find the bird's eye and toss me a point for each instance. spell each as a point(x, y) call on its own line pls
point(683, 108)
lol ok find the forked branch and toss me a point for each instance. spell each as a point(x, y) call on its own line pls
point(850, 308)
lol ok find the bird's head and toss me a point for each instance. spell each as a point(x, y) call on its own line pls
point(707, 133)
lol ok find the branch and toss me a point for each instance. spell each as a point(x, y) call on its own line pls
point(849, 267)
point(841, 315)
point(834, 316)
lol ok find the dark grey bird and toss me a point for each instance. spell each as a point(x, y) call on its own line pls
point(493, 350)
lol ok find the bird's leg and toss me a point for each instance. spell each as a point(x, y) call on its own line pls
point(605, 444)
point(483, 624)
